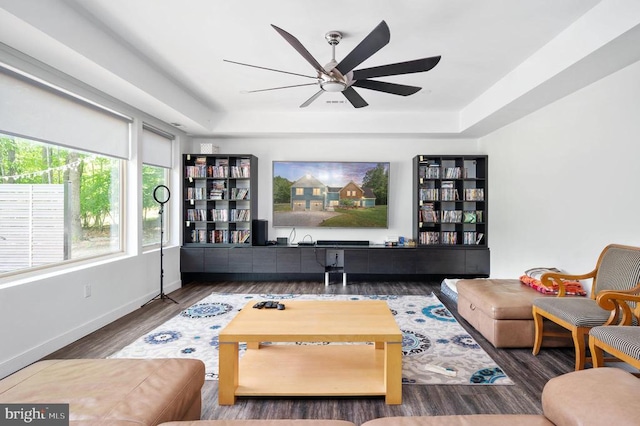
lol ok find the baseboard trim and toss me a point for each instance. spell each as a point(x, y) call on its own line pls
point(40, 351)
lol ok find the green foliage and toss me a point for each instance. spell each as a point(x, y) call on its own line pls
point(96, 192)
point(24, 161)
point(347, 203)
point(152, 176)
point(281, 190)
point(378, 180)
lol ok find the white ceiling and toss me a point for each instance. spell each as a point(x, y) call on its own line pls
point(501, 59)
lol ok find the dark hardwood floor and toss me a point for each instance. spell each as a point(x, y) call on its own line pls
point(528, 372)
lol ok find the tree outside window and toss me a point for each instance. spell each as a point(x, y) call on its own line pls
point(56, 204)
point(152, 176)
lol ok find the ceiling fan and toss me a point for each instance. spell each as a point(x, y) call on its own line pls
point(341, 76)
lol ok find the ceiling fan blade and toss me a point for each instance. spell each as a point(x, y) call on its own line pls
point(408, 67)
point(301, 49)
point(376, 40)
point(278, 88)
point(353, 97)
point(269, 69)
point(311, 99)
point(393, 88)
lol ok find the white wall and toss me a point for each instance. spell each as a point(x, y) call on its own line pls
point(398, 151)
point(563, 181)
point(39, 316)
point(42, 311)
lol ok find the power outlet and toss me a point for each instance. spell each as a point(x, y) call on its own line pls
point(87, 290)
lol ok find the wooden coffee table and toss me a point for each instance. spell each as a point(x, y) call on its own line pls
point(312, 370)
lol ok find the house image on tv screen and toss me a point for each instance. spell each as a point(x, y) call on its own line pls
point(309, 194)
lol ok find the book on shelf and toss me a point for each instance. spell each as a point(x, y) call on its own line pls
point(241, 236)
point(219, 215)
point(240, 215)
point(199, 236)
point(196, 215)
point(449, 237)
point(219, 236)
point(195, 193)
point(218, 171)
point(474, 194)
point(195, 171)
point(428, 214)
point(429, 238)
point(239, 193)
point(452, 173)
point(217, 190)
point(430, 171)
point(472, 238)
point(451, 216)
point(428, 194)
point(242, 171)
point(449, 194)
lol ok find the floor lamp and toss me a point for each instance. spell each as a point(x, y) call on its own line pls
point(161, 198)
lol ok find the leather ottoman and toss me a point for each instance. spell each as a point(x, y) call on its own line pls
point(500, 309)
point(112, 391)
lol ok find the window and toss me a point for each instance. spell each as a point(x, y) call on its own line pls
point(316, 191)
point(56, 204)
point(299, 191)
point(152, 176)
point(156, 159)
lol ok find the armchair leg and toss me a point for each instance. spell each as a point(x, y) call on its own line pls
point(579, 335)
point(597, 354)
point(538, 323)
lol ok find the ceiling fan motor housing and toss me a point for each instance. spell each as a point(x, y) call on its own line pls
point(333, 80)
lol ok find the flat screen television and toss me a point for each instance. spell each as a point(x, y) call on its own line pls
point(331, 194)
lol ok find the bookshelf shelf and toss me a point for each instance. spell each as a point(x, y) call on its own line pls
point(220, 199)
point(450, 207)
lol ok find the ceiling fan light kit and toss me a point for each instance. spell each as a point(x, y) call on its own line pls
point(341, 76)
point(333, 86)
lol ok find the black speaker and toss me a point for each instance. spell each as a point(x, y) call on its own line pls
point(259, 232)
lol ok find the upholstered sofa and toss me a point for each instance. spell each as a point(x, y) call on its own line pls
point(143, 392)
point(598, 396)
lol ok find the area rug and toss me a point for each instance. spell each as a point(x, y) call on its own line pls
point(431, 337)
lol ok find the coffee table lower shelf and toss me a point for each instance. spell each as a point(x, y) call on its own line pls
point(312, 370)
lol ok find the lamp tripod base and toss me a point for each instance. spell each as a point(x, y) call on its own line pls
point(160, 296)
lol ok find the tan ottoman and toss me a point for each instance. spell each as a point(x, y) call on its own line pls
point(112, 391)
point(500, 310)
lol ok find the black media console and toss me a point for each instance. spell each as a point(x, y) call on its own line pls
point(313, 262)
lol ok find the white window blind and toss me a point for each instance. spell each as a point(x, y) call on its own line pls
point(156, 147)
point(32, 109)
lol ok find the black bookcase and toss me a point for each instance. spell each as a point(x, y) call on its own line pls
point(220, 199)
point(450, 207)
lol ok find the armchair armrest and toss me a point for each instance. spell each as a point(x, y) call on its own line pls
point(550, 278)
point(618, 303)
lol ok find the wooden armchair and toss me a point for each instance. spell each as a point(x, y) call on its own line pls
point(620, 336)
point(617, 269)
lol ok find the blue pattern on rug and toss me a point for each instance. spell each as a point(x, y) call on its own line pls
point(431, 335)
